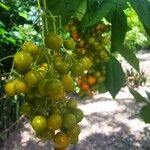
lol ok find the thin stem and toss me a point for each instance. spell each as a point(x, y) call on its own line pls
point(10, 56)
point(53, 20)
point(69, 54)
point(45, 15)
point(60, 24)
point(39, 7)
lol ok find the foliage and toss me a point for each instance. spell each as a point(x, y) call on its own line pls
point(145, 110)
point(136, 37)
point(113, 11)
point(15, 27)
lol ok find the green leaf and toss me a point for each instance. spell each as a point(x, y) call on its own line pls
point(142, 8)
point(130, 57)
point(96, 11)
point(23, 14)
point(138, 97)
point(114, 76)
point(121, 4)
point(81, 10)
point(63, 8)
point(4, 6)
point(147, 30)
point(119, 28)
point(3, 31)
point(145, 113)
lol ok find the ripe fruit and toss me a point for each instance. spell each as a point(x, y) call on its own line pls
point(54, 122)
point(39, 123)
point(53, 41)
point(61, 141)
point(91, 80)
point(68, 83)
point(75, 35)
point(30, 48)
point(78, 113)
point(84, 86)
point(32, 78)
point(69, 121)
point(22, 61)
point(46, 74)
point(21, 86)
point(10, 88)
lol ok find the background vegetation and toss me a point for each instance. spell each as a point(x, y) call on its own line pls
point(19, 21)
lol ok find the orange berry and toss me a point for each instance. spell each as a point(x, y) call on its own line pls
point(91, 80)
point(84, 86)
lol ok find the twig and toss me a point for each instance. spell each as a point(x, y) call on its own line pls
point(14, 124)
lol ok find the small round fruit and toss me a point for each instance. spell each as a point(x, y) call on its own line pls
point(84, 86)
point(75, 35)
point(77, 69)
point(30, 48)
point(72, 103)
point(68, 83)
point(62, 67)
point(21, 86)
point(53, 41)
point(86, 62)
point(25, 108)
point(54, 86)
point(39, 123)
point(73, 134)
point(73, 140)
point(45, 135)
point(91, 40)
point(42, 87)
point(22, 61)
point(58, 97)
point(97, 74)
point(61, 141)
point(91, 79)
point(54, 122)
point(75, 131)
point(32, 78)
point(69, 44)
point(69, 121)
point(55, 110)
point(78, 113)
point(10, 88)
point(101, 79)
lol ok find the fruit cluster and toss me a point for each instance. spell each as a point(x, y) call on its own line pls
point(46, 75)
point(93, 45)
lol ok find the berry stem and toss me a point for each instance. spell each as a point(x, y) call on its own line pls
point(60, 24)
point(53, 20)
point(40, 13)
point(10, 56)
point(45, 15)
